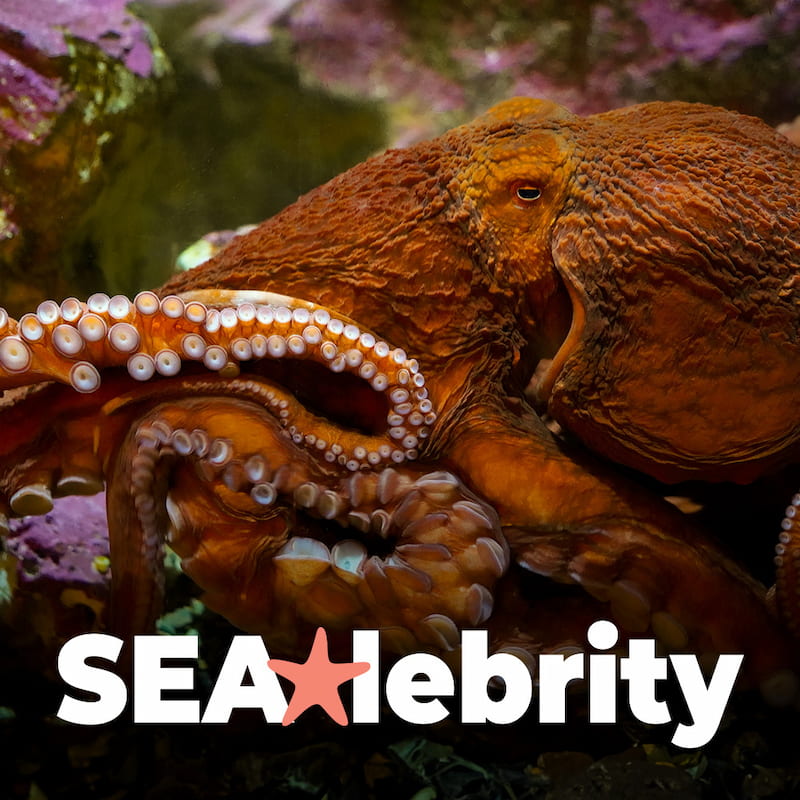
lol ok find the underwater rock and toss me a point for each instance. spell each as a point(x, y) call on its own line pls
point(436, 64)
point(69, 545)
point(61, 572)
point(72, 77)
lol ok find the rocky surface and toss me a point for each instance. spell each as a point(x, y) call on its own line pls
point(56, 573)
point(435, 63)
point(74, 77)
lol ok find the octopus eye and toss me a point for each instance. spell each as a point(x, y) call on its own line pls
point(527, 193)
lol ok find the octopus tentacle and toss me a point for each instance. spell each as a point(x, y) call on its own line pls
point(152, 336)
point(305, 428)
point(45, 454)
point(787, 567)
point(439, 550)
point(648, 566)
point(614, 566)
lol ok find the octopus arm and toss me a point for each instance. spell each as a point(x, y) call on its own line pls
point(568, 520)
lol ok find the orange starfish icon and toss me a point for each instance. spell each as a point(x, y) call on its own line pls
point(316, 682)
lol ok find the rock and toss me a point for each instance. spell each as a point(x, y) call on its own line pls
point(437, 64)
point(61, 573)
point(72, 77)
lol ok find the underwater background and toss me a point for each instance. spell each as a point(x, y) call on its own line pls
point(130, 131)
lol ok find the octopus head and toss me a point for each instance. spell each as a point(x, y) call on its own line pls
point(656, 249)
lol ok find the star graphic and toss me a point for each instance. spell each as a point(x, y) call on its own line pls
point(316, 682)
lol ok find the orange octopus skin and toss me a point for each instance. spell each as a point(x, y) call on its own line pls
point(650, 252)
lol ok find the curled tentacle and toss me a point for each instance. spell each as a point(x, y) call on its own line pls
point(149, 336)
point(423, 553)
point(396, 571)
point(260, 526)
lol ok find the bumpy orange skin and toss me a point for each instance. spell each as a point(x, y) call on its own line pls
point(652, 254)
point(671, 226)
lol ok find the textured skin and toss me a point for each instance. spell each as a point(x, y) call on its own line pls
point(672, 226)
point(685, 264)
point(649, 252)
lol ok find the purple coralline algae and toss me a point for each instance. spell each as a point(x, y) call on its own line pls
point(439, 62)
point(57, 578)
point(67, 546)
point(70, 75)
point(46, 26)
point(33, 90)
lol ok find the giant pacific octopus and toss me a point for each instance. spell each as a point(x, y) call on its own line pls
point(259, 415)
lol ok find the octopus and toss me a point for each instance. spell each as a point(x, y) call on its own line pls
point(422, 394)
